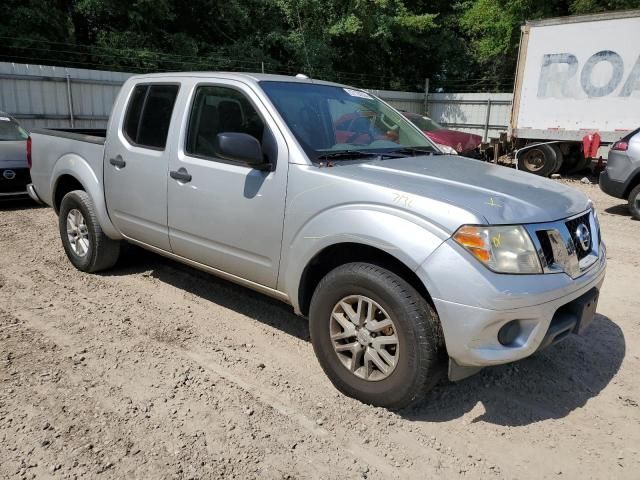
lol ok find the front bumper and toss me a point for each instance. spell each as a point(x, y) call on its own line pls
point(611, 186)
point(474, 304)
point(13, 181)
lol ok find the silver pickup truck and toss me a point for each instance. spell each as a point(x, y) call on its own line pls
point(404, 259)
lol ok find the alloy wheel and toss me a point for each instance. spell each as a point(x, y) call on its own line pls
point(77, 232)
point(364, 337)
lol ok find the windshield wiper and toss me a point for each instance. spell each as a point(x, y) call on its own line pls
point(417, 151)
point(355, 154)
point(348, 155)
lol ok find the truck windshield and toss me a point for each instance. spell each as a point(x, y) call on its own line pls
point(11, 131)
point(328, 119)
point(424, 123)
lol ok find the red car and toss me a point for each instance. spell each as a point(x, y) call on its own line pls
point(463, 143)
point(365, 127)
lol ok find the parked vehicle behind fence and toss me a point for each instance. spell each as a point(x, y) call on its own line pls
point(403, 258)
point(621, 178)
point(577, 90)
point(449, 141)
point(14, 171)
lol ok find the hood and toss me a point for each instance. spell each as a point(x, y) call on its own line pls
point(459, 141)
point(13, 154)
point(496, 194)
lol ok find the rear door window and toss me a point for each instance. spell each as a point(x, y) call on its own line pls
point(148, 116)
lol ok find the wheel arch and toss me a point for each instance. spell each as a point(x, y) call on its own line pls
point(342, 253)
point(72, 172)
point(64, 184)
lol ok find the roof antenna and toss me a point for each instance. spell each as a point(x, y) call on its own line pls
point(302, 76)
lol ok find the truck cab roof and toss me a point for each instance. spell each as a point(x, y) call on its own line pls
point(245, 77)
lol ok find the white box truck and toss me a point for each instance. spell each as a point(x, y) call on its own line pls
point(577, 89)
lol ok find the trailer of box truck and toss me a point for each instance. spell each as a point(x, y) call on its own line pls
point(577, 90)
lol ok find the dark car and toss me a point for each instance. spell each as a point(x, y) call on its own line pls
point(460, 142)
point(14, 169)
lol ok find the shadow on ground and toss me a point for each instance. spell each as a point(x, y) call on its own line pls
point(550, 384)
point(213, 289)
point(10, 204)
point(622, 210)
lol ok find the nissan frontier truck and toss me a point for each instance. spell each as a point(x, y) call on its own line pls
point(409, 263)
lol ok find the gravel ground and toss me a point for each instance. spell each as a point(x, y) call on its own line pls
point(155, 370)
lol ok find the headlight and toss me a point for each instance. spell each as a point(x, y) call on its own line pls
point(447, 149)
point(503, 249)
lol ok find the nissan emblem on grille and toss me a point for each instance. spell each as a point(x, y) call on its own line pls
point(584, 237)
point(9, 174)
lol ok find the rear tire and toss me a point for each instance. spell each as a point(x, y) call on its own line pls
point(86, 245)
point(539, 160)
point(634, 202)
point(375, 296)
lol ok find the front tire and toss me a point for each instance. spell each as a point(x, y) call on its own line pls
point(634, 202)
point(375, 336)
point(86, 245)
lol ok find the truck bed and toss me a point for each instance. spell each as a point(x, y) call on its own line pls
point(65, 151)
point(91, 135)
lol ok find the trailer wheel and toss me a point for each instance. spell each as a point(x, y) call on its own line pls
point(559, 158)
point(539, 160)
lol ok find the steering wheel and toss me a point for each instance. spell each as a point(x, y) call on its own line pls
point(361, 131)
point(308, 120)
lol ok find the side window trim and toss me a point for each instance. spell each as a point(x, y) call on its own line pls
point(144, 104)
point(148, 88)
point(128, 112)
point(193, 99)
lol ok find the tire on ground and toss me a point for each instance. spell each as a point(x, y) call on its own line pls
point(559, 158)
point(539, 160)
point(102, 252)
point(634, 202)
point(421, 349)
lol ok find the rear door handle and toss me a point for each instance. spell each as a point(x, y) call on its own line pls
point(181, 175)
point(118, 162)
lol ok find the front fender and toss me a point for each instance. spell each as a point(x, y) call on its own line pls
point(77, 167)
point(407, 237)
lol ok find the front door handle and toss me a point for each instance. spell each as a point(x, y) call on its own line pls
point(181, 175)
point(118, 162)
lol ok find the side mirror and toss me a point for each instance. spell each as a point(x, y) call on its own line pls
point(240, 147)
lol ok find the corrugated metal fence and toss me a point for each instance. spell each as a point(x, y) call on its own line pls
point(485, 114)
point(44, 96)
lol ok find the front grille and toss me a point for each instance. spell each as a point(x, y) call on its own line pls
point(18, 183)
point(573, 225)
point(545, 244)
point(559, 245)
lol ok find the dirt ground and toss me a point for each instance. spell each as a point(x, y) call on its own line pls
point(155, 370)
